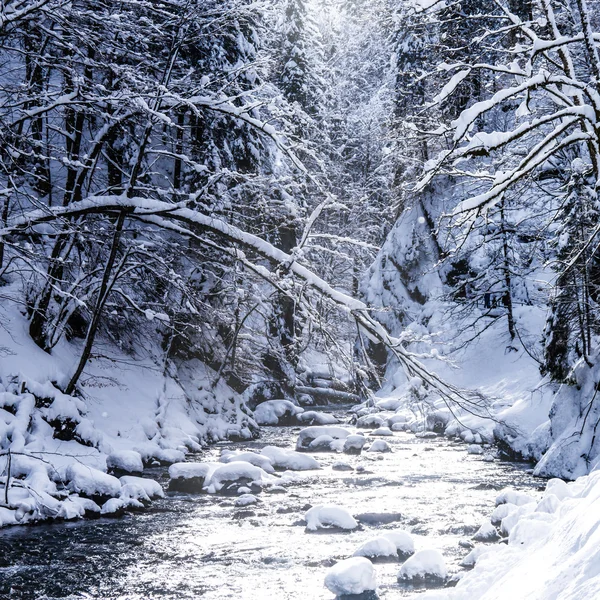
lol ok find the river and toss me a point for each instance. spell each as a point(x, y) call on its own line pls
point(198, 546)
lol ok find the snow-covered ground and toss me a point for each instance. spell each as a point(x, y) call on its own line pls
point(553, 550)
point(133, 410)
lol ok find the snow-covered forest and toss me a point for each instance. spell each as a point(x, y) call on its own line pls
point(219, 216)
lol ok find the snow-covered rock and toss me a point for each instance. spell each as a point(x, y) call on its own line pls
point(276, 412)
point(486, 533)
point(290, 460)
point(127, 461)
point(379, 446)
point(405, 545)
point(308, 435)
point(227, 478)
point(91, 482)
point(508, 495)
point(424, 567)
point(258, 460)
point(370, 421)
point(190, 477)
point(150, 487)
point(329, 516)
point(245, 500)
point(382, 431)
point(379, 547)
point(353, 444)
point(313, 417)
point(351, 576)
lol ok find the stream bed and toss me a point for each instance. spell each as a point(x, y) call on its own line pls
point(199, 546)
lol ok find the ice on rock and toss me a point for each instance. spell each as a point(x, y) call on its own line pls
point(246, 500)
point(379, 547)
point(486, 533)
point(351, 576)
point(426, 566)
point(127, 461)
point(405, 545)
point(288, 459)
point(353, 444)
point(382, 431)
point(276, 412)
point(324, 516)
point(312, 417)
point(308, 435)
point(513, 497)
point(379, 446)
point(258, 460)
point(91, 482)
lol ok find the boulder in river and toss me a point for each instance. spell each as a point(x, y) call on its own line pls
point(426, 567)
point(351, 576)
point(310, 434)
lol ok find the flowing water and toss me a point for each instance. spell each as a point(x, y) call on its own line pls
point(199, 546)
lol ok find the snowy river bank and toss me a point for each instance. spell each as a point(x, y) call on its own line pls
point(191, 546)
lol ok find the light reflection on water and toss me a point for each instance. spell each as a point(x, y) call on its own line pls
point(192, 547)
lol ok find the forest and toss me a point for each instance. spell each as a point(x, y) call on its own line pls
point(362, 223)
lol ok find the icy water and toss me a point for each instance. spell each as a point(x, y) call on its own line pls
point(188, 547)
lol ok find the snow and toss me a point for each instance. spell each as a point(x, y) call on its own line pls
point(353, 444)
point(289, 459)
point(486, 533)
point(258, 460)
point(91, 482)
point(191, 470)
point(225, 475)
point(403, 541)
point(377, 547)
point(306, 436)
point(382, 431)
point(150, 487)
point(379, 446)
point(323, 516)
point(508, 495)
point(272, 412)
point(424, 565)
point(129, 461)
point(245, 500)
point(548, 555)
point(312, 417)
point(351, 576)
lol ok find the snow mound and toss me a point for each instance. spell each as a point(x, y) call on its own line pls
point(382, 431)
point(258, 460)
point(405, 545)
point(229, 477)
point(379, 446)
point(351, 576)
point(276, 412)
point(547, 555)
point(379, 547)
point(470, 560)
point(149, 487)
point(190, 477)
point(353, 444)
point(91, 482)
point(508, 495)
point(312, 417)
point(246, 500)
point(310, 434)
point(127, 461)
point(369, 421)
point(486, 533)
point(288, 459)
point(426, 566)
point(324, 516)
